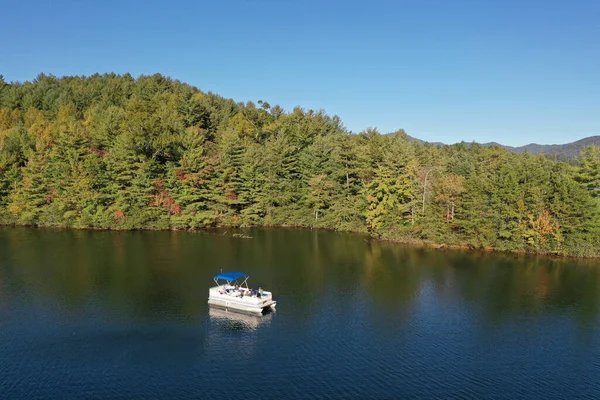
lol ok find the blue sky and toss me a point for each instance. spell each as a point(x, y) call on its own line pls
point(509, 71)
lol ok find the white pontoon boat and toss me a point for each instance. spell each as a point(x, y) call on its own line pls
point(231, 295)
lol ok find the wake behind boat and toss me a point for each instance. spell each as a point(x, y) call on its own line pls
point(231, 295)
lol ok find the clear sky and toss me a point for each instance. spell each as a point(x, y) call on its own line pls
point(511, 71)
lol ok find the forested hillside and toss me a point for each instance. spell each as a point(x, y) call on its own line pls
point(115, 152)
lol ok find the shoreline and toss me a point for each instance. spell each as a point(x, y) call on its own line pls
point(412, 243)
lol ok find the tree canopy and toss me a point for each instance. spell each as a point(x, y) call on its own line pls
point(115, 152)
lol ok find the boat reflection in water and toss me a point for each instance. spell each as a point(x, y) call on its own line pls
point(238, 321)
point(235, 331)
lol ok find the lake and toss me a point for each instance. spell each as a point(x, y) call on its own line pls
point(110, 315)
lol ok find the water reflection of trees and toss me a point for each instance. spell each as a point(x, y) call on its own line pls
point(136, 272)
point(394, 274)
point(500, 285)
point(167, 273)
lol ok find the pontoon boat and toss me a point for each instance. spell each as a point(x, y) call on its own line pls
point(231, 295)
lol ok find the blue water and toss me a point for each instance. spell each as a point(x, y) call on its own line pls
point(100, 315)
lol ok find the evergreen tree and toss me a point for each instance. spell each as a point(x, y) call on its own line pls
point(588, 172)
point(117, 152)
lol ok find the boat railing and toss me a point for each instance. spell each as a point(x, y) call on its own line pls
point(220, 290)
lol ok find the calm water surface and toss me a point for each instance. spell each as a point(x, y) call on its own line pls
point(101, 315)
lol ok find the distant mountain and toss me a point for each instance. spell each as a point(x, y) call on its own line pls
point(569, 150)
point(423, 141)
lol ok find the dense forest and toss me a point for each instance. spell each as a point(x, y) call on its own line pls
point(115, 152)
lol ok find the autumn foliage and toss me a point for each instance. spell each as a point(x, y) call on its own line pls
point(116, 152)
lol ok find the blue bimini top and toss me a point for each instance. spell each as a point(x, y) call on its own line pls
point(230, 276)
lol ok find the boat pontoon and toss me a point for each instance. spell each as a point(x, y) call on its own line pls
point(231, 295)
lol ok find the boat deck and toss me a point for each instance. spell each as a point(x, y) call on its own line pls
point(235, 300)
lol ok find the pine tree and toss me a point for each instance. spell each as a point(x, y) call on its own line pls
point(588, 173)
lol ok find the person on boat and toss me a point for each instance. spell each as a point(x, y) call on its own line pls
point(260, 292)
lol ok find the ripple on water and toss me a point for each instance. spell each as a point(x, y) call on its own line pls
point(124, 315)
